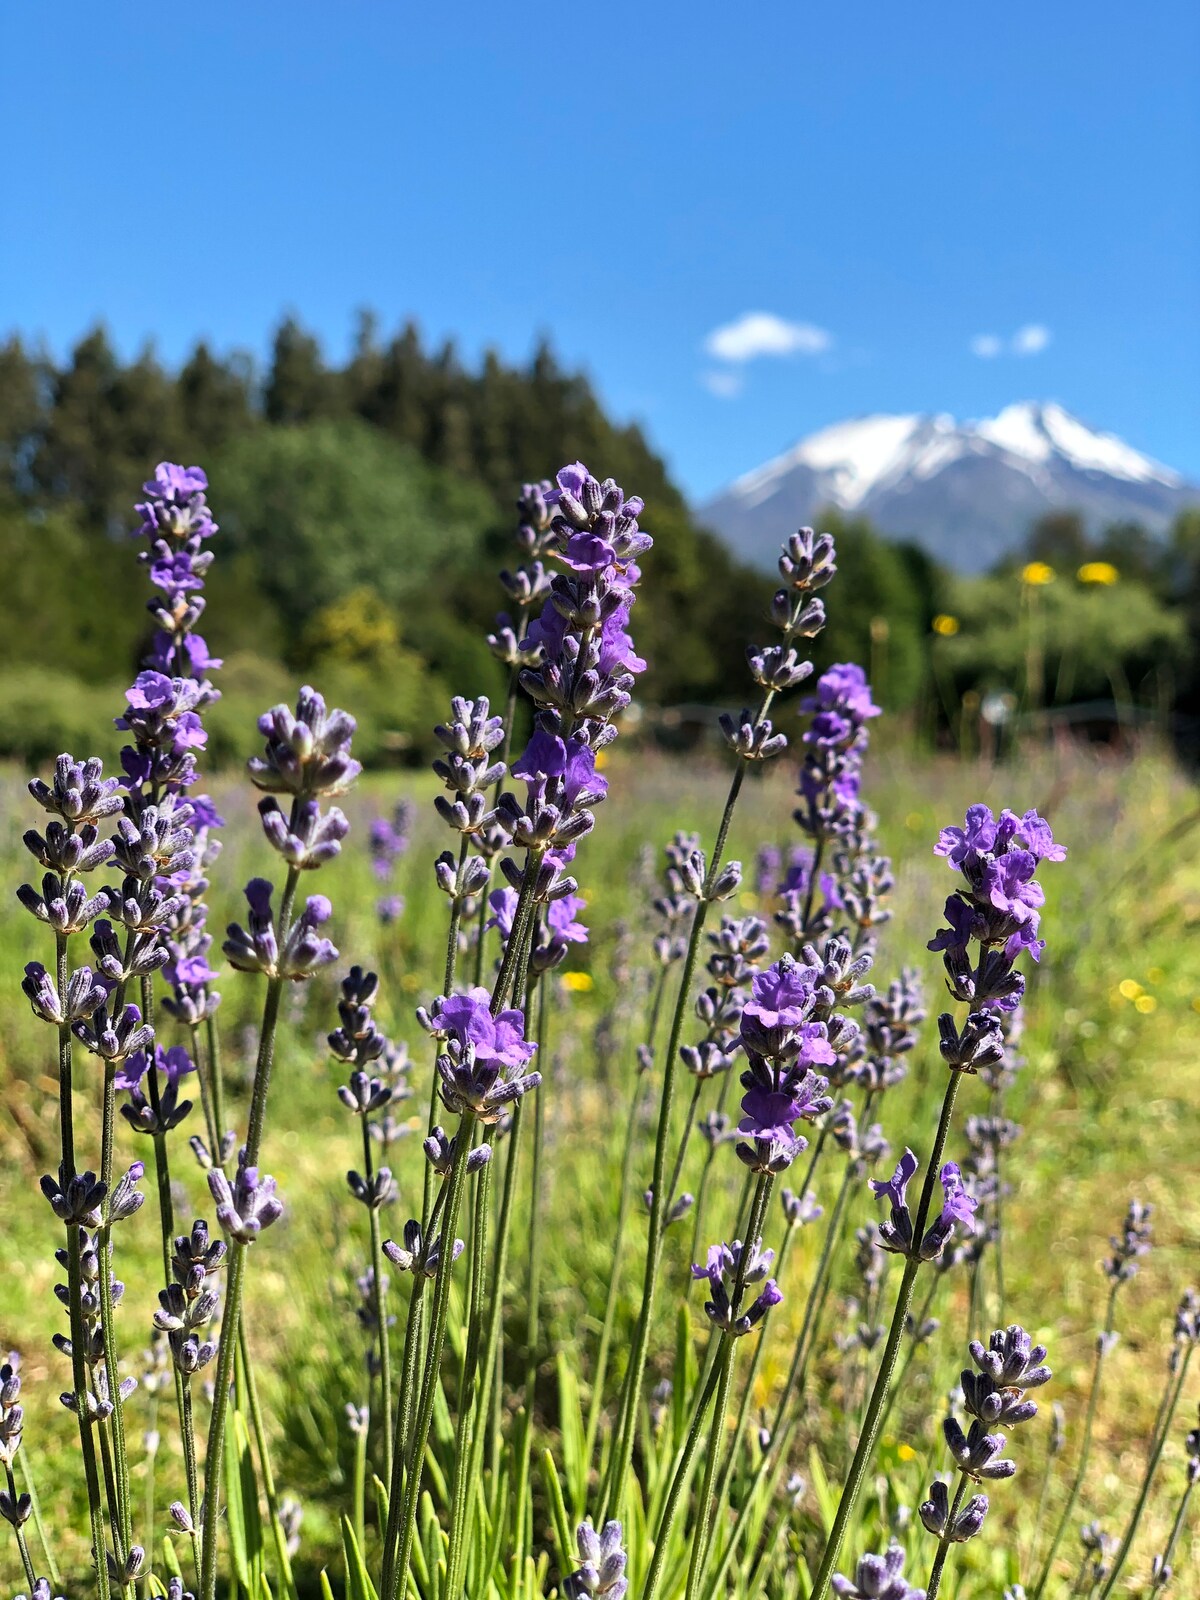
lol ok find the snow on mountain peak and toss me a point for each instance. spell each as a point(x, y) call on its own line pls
point(1038, 432)
point(966, 491)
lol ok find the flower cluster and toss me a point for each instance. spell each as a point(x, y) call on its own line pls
point(835, 742)
point(358, 1042)
point(247, 1205)
point(176, 521)
point(736, 950)
point(994, 1394)
point(188, 1304)
point(160, 1109)
point(16, 1508)
point(897, 1233)
point(999, 907)
point(878, 1578)
point(603, 1558)
point(806, 565)
point(783, 1041)
point(553, 934)
point(529, 582)
point(730, 1269)
point(579, 672)
point(484, 1056)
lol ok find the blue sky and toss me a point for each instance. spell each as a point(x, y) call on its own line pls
point(882, 187)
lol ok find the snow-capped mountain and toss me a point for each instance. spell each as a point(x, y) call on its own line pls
point(965, 491)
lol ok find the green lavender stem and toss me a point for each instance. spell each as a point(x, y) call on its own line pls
point(1102, 1347)
point(1176, 1530)
point(38, 1522)
point(107, 1319)
point(469, 1425)
point(865, 1451)
point(533, 1290)
point(402, 1517)
point(447, 988)
point(596, 1403)
point(683, 1473)
point(22, 1546)
point(214, 1458)
point(249, 1386)
point(1156, 1451)
point(87, 1439)
point(379, 1296)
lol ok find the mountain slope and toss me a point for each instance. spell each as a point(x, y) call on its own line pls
point(966, 492)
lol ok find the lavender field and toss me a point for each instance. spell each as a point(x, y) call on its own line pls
point(817, 1117)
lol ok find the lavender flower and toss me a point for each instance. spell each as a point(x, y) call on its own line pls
point(958, 1207)
point(256, 948)
point(307, 754)
point(603, 1569)
point(783, 1042)
point(481, 1065)
point(248, 1205)
point(729, 1269)
point(878, 1578)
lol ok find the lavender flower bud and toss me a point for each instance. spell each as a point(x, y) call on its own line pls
point(751, 740)
point(79, 792)
point(727, 882)
point(307, 754)
point(85, 994)
point(877, 1578)
point(310, 838)
point(935, 1514)
point(247, 1206)
point(603, 1558)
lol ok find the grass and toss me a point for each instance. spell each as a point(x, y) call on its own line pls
point(1108, 1102)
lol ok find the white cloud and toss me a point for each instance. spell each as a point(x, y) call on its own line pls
point(986, 346)
point(725, 385)
point(762, 333)
point(1030, 340)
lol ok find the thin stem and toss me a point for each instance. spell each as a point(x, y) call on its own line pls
point(190, 1467)
point(944, 1544)
point(864, 1453)
point(22, 1546)
point(213, 1039)
point(701, 1533)
point(215, 1453)
point(1148, 1477)
point(739, 1426)
point(1102, 1347)
point(107, 1320)
point(360, 1483)
point(533, 1290)
point(87, 1441)
point(39, 1524)
point(681, 1153)
point(626, 1418)
point(249, 1384)
point(214, 1458)
point(402, 1519)
point(469, 1427)
point(1176, 1530)
point(683, 1473)
point(614, 1281)
point(447, 989)
point(379, 1297)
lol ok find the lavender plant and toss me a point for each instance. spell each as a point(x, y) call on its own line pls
point(756, 1112)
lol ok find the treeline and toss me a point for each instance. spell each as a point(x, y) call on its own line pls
point(365, 510)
